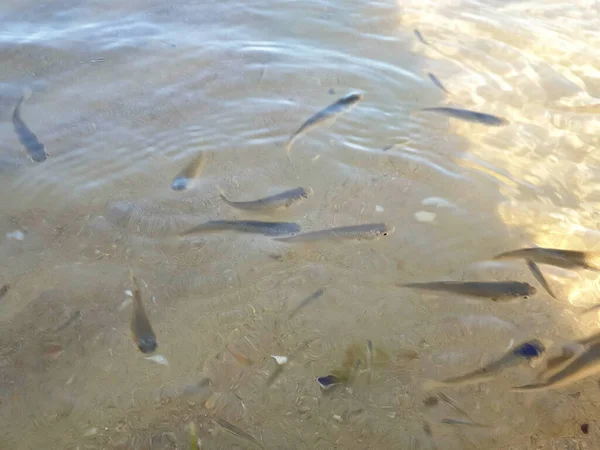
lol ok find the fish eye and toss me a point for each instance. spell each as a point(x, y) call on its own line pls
point(385, 233)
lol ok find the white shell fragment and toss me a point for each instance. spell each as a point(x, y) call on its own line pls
point(17, 234)
point(378, 208)
point(437, 201)
point(425, 216)
point(129, 293)
point(159, 359)
point(281, 360)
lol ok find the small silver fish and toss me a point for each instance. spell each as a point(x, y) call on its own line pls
point(539, 276)
point(437, 82)
point(494, 290)
point(246, 226)
point(359, 232)
point(329, 114)
point(467, 422)
point(141, 330)
point(370, 359)
point(238, 432)
point(566, 259)
point(469, 116)
point(420, 37)
point(192, 170)
point(275, 202)
point(517, 355)
point(306, 301)
point(582, 366)
point(28, 139)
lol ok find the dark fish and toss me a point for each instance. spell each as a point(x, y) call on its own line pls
point(517, 355)
point(469, 116)
point(273, 203)
point(566, 259)
point(238, 432)
point(495, 290)
point(28, 139)
point(359, 232)
point(437, 82)
point(420, 37)
point(582, 366)
point(4, 290)
point(539, 276)
point(329, 114)
point(247, 226)
point(142, 332)
point(76, 315)
point(306, 301)
point(192, 170)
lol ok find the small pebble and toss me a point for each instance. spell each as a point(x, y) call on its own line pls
point(436, 201)
point(280, 359)
point(378, 208)
point(585, 428)
point(91, 432)
point(338, 418)
point(17, 234)
point(424, 216)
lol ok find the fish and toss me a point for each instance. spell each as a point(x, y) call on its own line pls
point(495, 290)
point(469, 116)
point(582, 366)
point(306, 301)
point(4, 290)
point(27, 138)
point(141, 330)
point(437, 82)
point(247, 226)
point(329, 114)
point(369, 354)
point(523, 352)
point(539, 276)
point(452, 404)
point(76, 315)
point(192, 170)
point(275, 202)
point(238, 432)
point(420, 37)
point(468, 422)
point(359, 232)
point(565, 259)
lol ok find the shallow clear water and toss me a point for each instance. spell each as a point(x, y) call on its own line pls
point(126, 93)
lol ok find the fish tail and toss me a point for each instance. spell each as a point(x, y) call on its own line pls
point(529, 387)
point(430, 385)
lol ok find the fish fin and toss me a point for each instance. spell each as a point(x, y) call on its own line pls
point(430, 385)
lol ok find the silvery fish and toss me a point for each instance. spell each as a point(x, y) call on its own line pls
point(437, 82)
point(539, 276)
point(28, 139)
point(494, 290)
point(306, 301)
point(329, 114)
point(192, 170)
point(566, 259)
point(246, 226)
point(517, 355)
point(238, 432)
point(467, 422)
point(580, 367)
point(276, 202)
point(359, 232)
point(469, 116)
point(141, 330)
